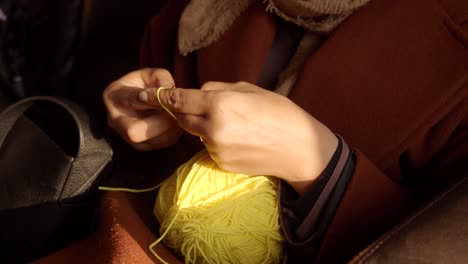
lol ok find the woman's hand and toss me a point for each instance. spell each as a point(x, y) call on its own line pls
point(249, 130)
point(144, 126)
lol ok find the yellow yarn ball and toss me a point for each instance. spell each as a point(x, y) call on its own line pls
point(208, 215)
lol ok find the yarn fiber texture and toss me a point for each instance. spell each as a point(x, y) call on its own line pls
point(208, 215)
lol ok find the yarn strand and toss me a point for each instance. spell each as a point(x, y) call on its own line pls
point(158, 96)
point(150, 247)
point(121, 189)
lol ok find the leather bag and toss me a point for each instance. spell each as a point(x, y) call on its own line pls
point(50, 165)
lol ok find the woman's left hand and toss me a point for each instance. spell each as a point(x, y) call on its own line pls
point(250, 130)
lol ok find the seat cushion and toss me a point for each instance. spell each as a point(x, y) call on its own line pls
point(437, 233)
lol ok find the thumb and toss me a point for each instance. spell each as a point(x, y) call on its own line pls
point(188, 106)
point(178, 101)
point(127, 97)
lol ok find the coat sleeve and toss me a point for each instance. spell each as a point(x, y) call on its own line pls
point(351, 216)
point(365, 202)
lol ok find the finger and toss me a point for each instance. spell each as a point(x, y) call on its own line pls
point(167, 139)
point(124, 93)
point(151, 97)
point(223, 86)
point(194, 124)
point(136, 130)
point(121, 124)
point(150, 127)
point(148, 77)
point(180, 101)
point(126, 98)
point(157, 77)
point(151, 144)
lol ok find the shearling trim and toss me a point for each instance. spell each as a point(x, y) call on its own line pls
point(204, 21)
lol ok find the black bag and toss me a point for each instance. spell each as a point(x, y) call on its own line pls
point(50, 166)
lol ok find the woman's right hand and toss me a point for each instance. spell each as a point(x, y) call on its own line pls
point(145, 126)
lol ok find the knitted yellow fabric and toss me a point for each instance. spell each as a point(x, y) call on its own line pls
point(208, 215)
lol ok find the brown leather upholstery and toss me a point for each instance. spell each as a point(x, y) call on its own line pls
point(437, 233)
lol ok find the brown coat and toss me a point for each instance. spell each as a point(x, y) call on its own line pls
point(392, 80)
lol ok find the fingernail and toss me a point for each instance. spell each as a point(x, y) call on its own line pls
point(143, 96)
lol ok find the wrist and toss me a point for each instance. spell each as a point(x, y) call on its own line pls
point(311, 165)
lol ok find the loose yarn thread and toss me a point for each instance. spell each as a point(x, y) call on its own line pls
point(158, 96)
